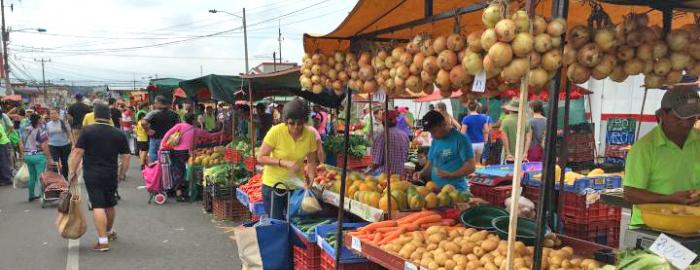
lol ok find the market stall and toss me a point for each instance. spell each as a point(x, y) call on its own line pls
point(162, 86)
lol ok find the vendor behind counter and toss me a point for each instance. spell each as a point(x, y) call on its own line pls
point(664, 165)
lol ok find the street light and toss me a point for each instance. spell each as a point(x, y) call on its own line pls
point(40, 30)
point(245, 33)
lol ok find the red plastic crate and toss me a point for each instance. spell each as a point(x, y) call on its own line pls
point(328, 263)
point(601, 232)
point(355, 163)
point(533, 193)
point(494, 195)
point(233, 156)
point(230, 209)
point(576, 210)
point(308, 258)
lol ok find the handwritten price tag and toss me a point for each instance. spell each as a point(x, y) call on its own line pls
point(674, 252)
point(479, 82)
point(356, 244)
point(409, 266)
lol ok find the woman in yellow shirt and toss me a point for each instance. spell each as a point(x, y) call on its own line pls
point(283, 151)
point(141, 139)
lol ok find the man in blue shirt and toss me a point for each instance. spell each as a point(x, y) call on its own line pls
point(450, 158)
point(476, 126)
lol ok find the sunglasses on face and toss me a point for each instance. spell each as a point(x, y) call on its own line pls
point(295, 123)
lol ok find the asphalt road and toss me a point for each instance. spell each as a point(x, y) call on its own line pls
point(170, 236)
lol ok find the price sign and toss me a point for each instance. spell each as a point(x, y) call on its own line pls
point(479, 82)
point(678, 255)
point(356, 244)
point(379, 96)
point(409, 266)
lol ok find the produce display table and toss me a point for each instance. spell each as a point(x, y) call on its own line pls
point(256, 208)
point(354, 207)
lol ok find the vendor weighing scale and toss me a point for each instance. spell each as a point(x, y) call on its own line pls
point(642, 238)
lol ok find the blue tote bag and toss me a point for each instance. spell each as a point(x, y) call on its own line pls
point(264, 245)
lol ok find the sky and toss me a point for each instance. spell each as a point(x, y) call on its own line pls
point(116, 42)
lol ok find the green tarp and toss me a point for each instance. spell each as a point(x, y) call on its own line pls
point(165, 87)
point(216, 87)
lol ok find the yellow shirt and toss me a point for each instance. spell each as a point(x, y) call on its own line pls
point(286, 148)
point(89, 119)
point(140, 131)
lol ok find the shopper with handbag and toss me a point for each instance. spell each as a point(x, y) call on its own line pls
point(99, 148)
point(35, 150)
point(60, 140)
point(179, 140)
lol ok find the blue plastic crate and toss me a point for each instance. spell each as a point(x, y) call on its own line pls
point(346, 256)
point(257, 208)
point(310, 237)
point(586, 183)
point(508, 169)
point(242, 197)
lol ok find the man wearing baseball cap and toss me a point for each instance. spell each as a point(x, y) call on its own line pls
point(664, 165)
point(450, 158)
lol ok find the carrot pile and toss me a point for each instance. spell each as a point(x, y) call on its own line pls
point(379, 233)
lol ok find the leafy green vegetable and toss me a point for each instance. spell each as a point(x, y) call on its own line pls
point(635, 259)
point(358, 145)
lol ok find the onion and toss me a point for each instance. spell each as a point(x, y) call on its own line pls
point(447, 59)
point(305, 82)
point(474, 41)
point(389, 84)
point(418, 59)
point(332, 74)
point(522, 21)
point(556, 42)
point(392, 72)
point(633, 39)
point(337, 85)
point(413, 83)
point(492, 14)
point(402, 72)
point(539, 25)
point(551, 61)
point(522, 44)
point(427, 77)
point(501, 54)
point(625, 53)
point(648, 67)
point(366, 73)
point(369, 86)
point(378, 64)
point(694, 50)
point(440, 44)
point(604, 68)
point(490, 68)
point(399, 83)
point(414, 69)
point(694, 71)
point(556, 27)
point(674, 77)
point(324, 68)
point(505, 30)
point(653, 81)
point(443, 79)
point(473, 63)
point(515, 70)
point(645, 52)
point(397, 52)
point(365, 58)
point(354, 75)
point(343, 76)
point(316, 69)
point(331, 61)
point(618, 74)
point(659, 49)
point(543, 43)
point(317, 88)
point(641, 19)
point(589, 55)
point(412, 47)
point(629, 22)
point(679, 60)
point(406, 58)
point(605, 39)
point(634, 66)
point(648, 35)
point(488, 38)
point(577, 73)
point(306, 72)
point(662, 66)
point(445, 93)
point(390, 62)
point(428, 88)
point(678, 40)
point(339, 67)
point(569, 55)
point(578, 36)
point(350, 58)
point(535, 59)
point(427, 47)
point(620, 36)
point(538, 78)
point(316, 58)
point(459, 77)
point(455, 42)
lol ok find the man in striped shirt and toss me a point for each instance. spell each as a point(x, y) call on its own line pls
point(398, 148)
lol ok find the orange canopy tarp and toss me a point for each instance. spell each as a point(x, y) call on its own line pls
point(371, 15)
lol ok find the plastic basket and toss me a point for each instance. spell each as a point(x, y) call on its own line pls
point(577, 209)
point(229, 209)
point(355, 163)
point(494, 195)
point(308, 258)
point(601, 232)
point(221, 191)
point(346, 256)
point(328, 263)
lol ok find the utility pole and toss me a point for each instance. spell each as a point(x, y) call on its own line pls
point(201, 70)
point(134, 77)
point(43, 77)
point(274, 61)
point(245, 42)
point(5, 64)
point(279, 38)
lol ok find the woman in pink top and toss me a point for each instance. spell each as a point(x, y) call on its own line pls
point(180, 153)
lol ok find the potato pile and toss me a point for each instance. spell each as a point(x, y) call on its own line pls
point(459, 248)
point(631, 48)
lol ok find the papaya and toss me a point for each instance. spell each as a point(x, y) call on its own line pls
point(416, 202)
point(444, 199)
point(447, 188)
point(383, 203)
point(423, 191)
point(431, 200)
point(374, 199)
point(400, 198)
point(455, 197)
point(431, 186)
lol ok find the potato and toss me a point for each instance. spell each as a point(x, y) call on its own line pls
point(454, 233)
point(520, 248)
point(478, 251)
point(460, 259)
point(436, 238)
point(450, 264)
point(498, 260)
point(427, 255)
point(489, 245)
point(519, 261)
point(474, 264)
point(479, 236)
point(469, 231)
point(466, 248)
point(431, 246)
point(490, 266)
point(436, 229)
point(568, 250)
point(425, 261)
point(459, 267)
point(472, 257)
point(416, 255)
point(433, 266)
point(575, 262)
point(449, 254)
point(555, 260)
point(549, 243)
point(450, 246)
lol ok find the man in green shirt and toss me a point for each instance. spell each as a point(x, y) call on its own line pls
point(664, 165)
point(509, 126)
point(5, 156)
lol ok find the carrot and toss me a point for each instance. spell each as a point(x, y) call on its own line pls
point(357, 233)
point(363, 237)
point(409, 227)
point(413, 217)
point(428, 219)
point(428, 225)
point(391, 236)
point(386, 229)
point(377, 238)
point(373, 226)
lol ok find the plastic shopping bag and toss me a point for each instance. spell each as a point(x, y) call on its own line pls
point(21, 177)
point(72, 225)
point(303, 202)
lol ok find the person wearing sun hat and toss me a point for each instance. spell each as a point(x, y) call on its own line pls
point(509, 126)
point(663, 166)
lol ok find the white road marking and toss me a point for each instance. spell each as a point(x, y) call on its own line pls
point(73, 261)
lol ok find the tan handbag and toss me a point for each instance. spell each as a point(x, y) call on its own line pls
point(72, 225)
